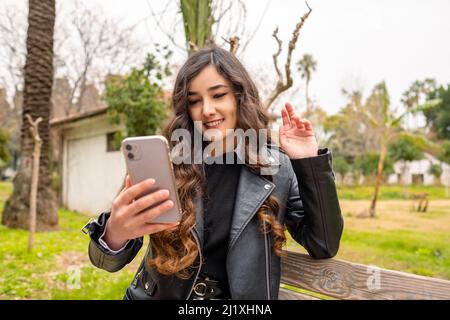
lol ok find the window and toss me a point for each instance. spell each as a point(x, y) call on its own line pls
point(111, 144)
point(417, 179)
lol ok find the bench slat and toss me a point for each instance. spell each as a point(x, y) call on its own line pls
point(347, 280)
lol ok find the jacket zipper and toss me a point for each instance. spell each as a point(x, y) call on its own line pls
point(266, 245)
point(201, 259)
point(267, 257)
point(141, 267)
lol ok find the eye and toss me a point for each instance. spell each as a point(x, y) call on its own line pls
point(191, 103)
point(219, 95)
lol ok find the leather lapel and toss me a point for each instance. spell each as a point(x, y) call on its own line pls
point(252, 191)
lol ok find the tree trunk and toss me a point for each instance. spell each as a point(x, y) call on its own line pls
point(378, 179)
point(405, 183)
point(36, 103)
point(308, 106)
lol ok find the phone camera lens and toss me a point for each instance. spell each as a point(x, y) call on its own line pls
point(128, 147)
point(130, 156)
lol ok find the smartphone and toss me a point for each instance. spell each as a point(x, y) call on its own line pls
point(149, 157)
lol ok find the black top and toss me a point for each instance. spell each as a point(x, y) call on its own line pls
point(222, 183)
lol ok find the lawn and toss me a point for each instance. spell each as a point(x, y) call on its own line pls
point(397, 238)
point(50, 270)
point(389, 192)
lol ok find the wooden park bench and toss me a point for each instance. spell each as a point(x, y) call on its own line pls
point(338, 279)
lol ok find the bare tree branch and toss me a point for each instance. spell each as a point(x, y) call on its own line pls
point(221, 13)
point(106, 47)
point(250, 38)
point(234, 44)
point(158, 19)
point(233, 16)
point(192, 47)
point(277, 54)
point(12, 49)
point(283, 85)
point(240, 22)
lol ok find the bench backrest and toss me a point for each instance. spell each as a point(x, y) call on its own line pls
point(337, 279)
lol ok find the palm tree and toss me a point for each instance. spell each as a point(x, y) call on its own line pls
point(36, 103)
point(382, 117)
point(197, 20)
point(412, 97)
point(306, 66)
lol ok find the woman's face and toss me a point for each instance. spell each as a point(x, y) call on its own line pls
point(211, 101)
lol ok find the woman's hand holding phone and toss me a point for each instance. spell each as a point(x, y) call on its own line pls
point(129, 221)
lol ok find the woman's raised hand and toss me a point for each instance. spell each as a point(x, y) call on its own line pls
point(128, 222)
point(297, 135)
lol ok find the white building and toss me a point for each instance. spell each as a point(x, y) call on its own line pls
point(92, 170)
point(417, 172)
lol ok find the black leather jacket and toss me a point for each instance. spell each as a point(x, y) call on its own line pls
point(309, 209)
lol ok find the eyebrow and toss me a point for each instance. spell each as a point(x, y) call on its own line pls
point(217, 86)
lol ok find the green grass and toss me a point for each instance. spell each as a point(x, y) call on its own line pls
point(389, 192)
point(45, 273)
point(410, 251)
point(5, 189)
point(407, 251)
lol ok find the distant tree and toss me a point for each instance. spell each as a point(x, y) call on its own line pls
point(435, 170)
point(349, 131)
point(318, 117)
point(306, 66)
point(445, 157)
point(445, 152)
point(417, 93)
point(5, 155)
point(341, 166)
point(406, 148)
point(138, 98)
point(381, 116)
point(438, 116)
point(367, 165)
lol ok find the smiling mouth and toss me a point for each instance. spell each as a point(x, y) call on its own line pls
point(213, 124)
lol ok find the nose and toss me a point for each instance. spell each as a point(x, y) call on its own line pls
point(208, 108)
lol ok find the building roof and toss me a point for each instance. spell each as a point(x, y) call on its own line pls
point(75, 117)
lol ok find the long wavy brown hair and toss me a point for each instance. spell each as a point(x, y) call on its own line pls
point(175, 251)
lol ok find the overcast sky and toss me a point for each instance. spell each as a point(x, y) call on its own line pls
point(355, 43)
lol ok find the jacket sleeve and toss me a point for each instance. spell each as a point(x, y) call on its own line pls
point(103, 258)
point(313, 215)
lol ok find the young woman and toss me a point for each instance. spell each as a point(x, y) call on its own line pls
point(229, 242)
